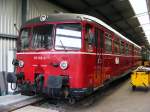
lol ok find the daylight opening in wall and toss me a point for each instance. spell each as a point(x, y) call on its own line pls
point(141, 11)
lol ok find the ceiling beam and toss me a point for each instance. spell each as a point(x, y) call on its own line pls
point(101, 4)
point(108, 21)
point(122, 17)
point(120, 20)
point(93, 9)
point(61, 5)
point(106, 2)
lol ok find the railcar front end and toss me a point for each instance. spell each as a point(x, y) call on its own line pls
point(50, 60)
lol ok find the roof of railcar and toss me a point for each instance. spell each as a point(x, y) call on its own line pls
point(60, 17)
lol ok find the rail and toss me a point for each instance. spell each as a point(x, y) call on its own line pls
point(21, 104)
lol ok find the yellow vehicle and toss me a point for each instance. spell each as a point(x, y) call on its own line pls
point(146, 63)
point(141, 78)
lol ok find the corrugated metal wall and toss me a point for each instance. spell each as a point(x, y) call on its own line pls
point(41, 7)
point(6, 44)
point(10, 14)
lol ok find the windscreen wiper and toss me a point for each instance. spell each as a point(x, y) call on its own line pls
point(63, 45)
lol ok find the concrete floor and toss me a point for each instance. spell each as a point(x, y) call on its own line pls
point(118, 99)
point(34, 109)
point(11, 99)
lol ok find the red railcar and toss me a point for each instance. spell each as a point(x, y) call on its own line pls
point(71, 55)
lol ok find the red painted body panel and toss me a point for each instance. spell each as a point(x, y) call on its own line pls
point(80, 76)
point(81, 70)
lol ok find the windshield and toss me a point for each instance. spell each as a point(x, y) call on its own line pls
point(42, 37)
point(25, 38)
point(68, 36)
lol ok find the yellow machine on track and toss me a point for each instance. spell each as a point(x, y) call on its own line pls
point(141, 78)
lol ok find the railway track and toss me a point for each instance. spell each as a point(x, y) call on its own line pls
point(14, 106)
point(41, 104)
point(100, 95)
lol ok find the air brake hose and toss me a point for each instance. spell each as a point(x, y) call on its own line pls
point(15, 86)
point(39, 81)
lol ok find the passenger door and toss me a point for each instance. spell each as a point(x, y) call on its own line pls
point(99, 45)
point(101, 48)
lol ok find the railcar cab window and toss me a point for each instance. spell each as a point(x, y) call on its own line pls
point(42, 37)
point(89, 38)
point(108, 42)
point(68, 36)
point(96, 40)
point(24, 36)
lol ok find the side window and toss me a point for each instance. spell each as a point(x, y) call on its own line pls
point(89, 35)
point(101, 38)
point(139, 52)
point(116, 46)
point(99, 34)
point(96, 37)
point(89, 38)
point(121, 47)
point(108, 42)
point(127, 49)
point(130, 49)
point(135, 51)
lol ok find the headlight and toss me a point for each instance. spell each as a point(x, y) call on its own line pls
point(21, 63)
point(63, 65)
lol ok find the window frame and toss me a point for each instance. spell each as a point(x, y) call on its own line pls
point(96, 37)
point(116, 41)
point(109, 37)
point(52, 37)
point(19, 43)
point(126, 48)
point(122, 49)
point(55, 27)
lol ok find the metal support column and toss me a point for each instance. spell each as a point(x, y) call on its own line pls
point(24, 11)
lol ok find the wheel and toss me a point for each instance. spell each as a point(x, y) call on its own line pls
point(133, 88)
point(72, 101)
point(27, 93)
point(146, 89)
